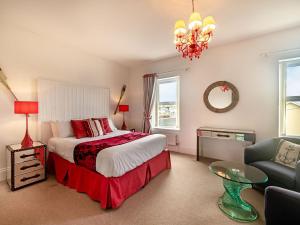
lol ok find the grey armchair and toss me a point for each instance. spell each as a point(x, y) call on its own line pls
point(261, 154)
point(282, 206)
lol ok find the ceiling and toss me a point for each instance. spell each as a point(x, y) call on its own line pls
point(137, 31)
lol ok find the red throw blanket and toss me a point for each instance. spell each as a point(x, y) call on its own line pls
point(85, 153)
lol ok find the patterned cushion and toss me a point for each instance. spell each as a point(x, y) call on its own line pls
point(79, 128)
point(98, 125)
point(288, 154)
point(91, 128)
point(104, 125)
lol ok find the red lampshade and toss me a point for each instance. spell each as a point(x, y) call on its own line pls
point(123, 108)
point(26, 107)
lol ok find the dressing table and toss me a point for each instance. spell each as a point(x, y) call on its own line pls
point(246, 136)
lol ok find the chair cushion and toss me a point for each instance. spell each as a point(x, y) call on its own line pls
point(288, 154)
point(277, 174)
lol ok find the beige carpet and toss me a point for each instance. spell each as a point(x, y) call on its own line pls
point(185, 195)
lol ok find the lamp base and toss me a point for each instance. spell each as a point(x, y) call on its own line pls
point(27, 141)
point(124, 127)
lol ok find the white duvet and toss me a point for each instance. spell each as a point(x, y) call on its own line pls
point(114, 161)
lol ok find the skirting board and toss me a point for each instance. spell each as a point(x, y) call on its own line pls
point(2, 174)
point(183, 150)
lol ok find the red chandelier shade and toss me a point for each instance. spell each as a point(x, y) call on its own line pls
point(123, 108)
point(26, 107)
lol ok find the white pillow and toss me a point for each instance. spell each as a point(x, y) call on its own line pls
point(54, 129)
point(112, 125)
point(62, 129)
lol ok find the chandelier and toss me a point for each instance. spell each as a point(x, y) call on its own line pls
point(192, 42)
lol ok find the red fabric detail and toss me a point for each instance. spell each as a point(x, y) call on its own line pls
point(110, 191)
point(85, 153)
point(40, 154)
point(104, 124)
point(79, 128)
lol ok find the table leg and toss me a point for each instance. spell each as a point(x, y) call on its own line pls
point(233, 205)
point(198, 148)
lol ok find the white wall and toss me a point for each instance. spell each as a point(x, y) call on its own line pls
point(26, 56)
point(241, 63)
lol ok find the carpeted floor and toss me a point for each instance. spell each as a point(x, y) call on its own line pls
point(185, 195)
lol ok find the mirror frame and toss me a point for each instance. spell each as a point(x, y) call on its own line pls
point(235, 96)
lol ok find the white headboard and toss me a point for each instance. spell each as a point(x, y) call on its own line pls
point(63, 101)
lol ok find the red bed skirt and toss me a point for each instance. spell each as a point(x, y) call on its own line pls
point(111, 191)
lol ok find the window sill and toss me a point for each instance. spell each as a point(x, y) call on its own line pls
point(289, 136)
point(164, 128)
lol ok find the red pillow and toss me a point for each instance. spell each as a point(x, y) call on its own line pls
point(79, 128)
point(105, 125)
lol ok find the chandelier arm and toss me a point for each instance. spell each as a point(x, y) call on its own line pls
point(193, 5)
point(184, 47)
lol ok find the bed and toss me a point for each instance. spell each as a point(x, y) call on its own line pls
point(121, 170)
point(118, 171)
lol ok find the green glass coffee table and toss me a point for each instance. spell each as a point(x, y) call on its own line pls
point(236, 178)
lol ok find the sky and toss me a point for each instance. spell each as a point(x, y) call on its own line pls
point(167, 92)
point(293, 81)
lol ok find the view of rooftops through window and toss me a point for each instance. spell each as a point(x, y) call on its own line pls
point(293, 99)
point(167, 104)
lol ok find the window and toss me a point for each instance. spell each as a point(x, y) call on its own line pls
point(166, 109)
point(289, 97)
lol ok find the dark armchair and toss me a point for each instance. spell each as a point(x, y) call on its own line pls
point(282, 206)
point(261, 154)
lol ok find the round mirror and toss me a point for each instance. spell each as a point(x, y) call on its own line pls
point(221, 96)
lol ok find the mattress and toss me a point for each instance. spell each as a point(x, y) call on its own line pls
point(117, 160)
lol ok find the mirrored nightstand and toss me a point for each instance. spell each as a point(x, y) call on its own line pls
point(26, 166)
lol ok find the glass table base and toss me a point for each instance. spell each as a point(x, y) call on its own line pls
point(233, 205)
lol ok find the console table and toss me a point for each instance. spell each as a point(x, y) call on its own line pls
point(226, 134)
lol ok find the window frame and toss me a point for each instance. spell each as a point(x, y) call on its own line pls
point(283, 65)
point(155, 111)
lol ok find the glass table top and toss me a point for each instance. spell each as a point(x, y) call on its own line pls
point(238, 172)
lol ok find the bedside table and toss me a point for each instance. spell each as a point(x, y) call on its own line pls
point(26, 166)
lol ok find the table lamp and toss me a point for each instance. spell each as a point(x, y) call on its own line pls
point(26, 107)
point(123, 108)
